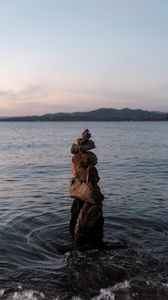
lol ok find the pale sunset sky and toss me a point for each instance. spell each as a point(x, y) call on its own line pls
point(79, 55)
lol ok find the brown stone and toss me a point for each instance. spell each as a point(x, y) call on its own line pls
point(85, 159)
point(79, 172)
point(89, 174)
point(85, 192)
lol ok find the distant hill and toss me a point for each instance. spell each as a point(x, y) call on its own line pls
point(102, 114)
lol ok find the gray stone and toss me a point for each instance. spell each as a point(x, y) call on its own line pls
point(89, 145)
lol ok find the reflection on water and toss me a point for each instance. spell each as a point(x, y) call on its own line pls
point(37, 258)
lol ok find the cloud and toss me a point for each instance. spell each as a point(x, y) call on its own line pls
point(6, 93)
point(43, 98)
point(25, 94)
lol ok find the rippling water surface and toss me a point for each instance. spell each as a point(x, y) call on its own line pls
point(37, 260)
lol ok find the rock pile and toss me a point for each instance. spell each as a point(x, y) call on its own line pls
point(86, 223)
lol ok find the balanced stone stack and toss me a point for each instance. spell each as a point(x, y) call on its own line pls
point(86, 223)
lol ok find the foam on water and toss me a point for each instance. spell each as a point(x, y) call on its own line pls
point(105, 294)
point(1, 292)
point(22, 295)
point(109, 293)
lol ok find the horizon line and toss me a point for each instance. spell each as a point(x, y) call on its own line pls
point(85, 111)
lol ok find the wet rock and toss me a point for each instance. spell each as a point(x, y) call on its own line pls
point(113, 272)
point(89, 224)
point(75, 209)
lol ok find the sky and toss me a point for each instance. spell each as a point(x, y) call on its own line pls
point(80, 55)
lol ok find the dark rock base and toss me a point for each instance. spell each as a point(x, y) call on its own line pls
point(86, 224)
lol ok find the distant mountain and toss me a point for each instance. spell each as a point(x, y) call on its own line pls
point(102, 114)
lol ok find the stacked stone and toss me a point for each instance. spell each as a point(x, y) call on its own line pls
point(86, 223)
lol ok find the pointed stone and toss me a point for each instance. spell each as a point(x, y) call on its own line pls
point(92, 175)
point(86, 135)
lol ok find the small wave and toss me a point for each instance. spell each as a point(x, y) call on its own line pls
point(1, 292)
point(23, 295)
point(52, 238)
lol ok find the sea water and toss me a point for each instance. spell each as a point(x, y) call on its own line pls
point(36, 257)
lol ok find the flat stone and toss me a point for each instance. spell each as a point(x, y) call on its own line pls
point(89, 145)
point(85, 192)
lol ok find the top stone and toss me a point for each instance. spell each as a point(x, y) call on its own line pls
point(83, 144)
point(86, 135)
